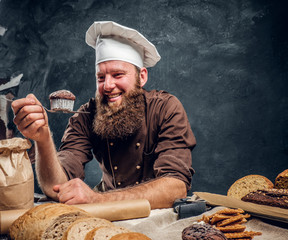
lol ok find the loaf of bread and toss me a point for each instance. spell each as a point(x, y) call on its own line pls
point(270, 197)
point(105, 233)
point(130, 236)
point(62, 100)
point(45, 221)
point(78, 229)
point(247, 184)
point(281, 180)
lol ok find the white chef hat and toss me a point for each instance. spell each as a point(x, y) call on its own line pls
point(113, 41)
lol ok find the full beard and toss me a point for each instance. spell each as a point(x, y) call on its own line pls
point(119, 122)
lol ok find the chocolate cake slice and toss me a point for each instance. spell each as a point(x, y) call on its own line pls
point(270, 197)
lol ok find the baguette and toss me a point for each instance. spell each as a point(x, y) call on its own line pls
point(247, 184)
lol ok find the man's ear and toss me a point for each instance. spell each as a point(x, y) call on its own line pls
point(143, 76)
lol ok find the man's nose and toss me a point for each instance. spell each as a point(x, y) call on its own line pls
point(109, 83)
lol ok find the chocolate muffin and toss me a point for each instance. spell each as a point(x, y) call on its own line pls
point(202, 231)
point(62, 100)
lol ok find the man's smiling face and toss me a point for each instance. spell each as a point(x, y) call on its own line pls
point(114, 79)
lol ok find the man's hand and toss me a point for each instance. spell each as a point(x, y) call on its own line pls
point(31, 118)
point(75, 191)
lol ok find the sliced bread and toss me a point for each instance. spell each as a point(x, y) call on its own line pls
point(248, 184)
point(105, 233)
point(78, 229)
point(281, 181)
point(58, 227)
point(130, 236)
point(39, 221)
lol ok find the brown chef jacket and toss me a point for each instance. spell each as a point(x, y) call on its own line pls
point(161, 147)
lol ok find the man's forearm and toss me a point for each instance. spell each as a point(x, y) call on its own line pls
point(161, 193)
point(48, 168)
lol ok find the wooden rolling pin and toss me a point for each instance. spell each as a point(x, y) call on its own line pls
point(112, 211)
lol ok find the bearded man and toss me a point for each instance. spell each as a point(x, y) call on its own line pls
point(141, 139)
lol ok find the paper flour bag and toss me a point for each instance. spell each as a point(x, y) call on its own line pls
point(16, 175)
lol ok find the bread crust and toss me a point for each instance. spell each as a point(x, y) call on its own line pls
point(281, 180)
point(247, 184)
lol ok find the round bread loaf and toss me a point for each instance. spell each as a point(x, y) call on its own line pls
point(45, 221)
point(78, 229)
point(103, 233)
point(281, 181)
point(62, 100)
point(130, 236)
point(247, 184)
point(202, 231)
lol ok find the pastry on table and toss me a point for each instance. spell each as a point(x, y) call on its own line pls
point(271, 197)
point(202, 231)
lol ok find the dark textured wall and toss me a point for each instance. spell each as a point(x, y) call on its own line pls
point(225, 60)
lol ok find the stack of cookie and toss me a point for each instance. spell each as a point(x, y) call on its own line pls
point(230, 222)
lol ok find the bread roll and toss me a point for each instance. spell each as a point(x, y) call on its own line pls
point(130, 236)
point(103, 233)
point(45, 221)
point(78, 229)
point(281, 180)
point(247, 184)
